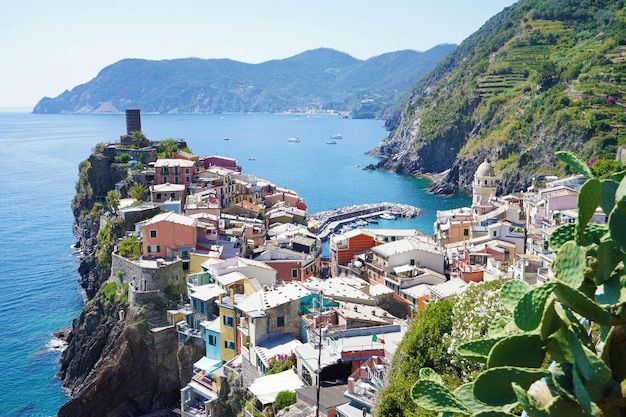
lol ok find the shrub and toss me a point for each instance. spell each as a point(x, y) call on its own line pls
point(130, 248)
point(123, 158)
point(284, 399)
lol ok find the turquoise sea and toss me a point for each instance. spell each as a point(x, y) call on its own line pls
point(39, 156)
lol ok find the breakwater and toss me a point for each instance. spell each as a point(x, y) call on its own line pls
point(326, 222)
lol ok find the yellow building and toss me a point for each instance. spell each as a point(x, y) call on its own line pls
point(228, 326)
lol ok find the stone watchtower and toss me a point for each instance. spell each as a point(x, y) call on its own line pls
point(484, 185)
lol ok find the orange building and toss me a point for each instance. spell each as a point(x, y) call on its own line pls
point(168, 235)
point(345, 246)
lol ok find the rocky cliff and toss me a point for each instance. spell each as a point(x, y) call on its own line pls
point(539, 77)
point(114, 365)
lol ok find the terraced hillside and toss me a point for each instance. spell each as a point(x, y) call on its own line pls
point(540, 76)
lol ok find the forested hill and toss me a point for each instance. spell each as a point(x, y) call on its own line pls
point(541, 76)
point(321, 79)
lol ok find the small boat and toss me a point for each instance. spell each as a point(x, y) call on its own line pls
point(331, 142)
point(387, 216)
point(336, 136)
point(226, 138)
point(252, 158)
point(294, 139)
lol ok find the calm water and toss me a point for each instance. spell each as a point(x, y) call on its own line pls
point(39, 156)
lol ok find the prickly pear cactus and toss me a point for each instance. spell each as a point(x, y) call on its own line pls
point(566, 355)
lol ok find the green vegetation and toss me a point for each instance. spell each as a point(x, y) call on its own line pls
point(285, 399)
point(112, 293)
point(430, 342)
point(123, 158)
point(321, 79)
point(113, 200)
point(130, 248)
point(137, 191)
point(559, 349)
point(167, 148)
point(539, 77)
point(250, 406)
point(106, 237)
point(139, 140)
point(280, 363)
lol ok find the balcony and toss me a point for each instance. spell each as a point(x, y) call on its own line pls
point(185, 332)
point(543, 275)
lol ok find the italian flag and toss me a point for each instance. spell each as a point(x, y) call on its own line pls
point(375, 338)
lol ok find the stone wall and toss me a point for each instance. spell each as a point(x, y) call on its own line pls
point(148, 276)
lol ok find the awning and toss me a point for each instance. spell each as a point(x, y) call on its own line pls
point(267, 387)
point(208, 365)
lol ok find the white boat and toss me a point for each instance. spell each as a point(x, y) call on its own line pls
point(294, 139)
point(387, 216)
point(336, 136)
point(226, 138)
point(331, 142)
point(252, 158)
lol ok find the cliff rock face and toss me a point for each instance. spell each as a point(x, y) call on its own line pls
point(539, 77)
point(114, 365)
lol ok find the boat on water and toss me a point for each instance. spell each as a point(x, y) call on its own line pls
point(331, 142)
point(294, 139)
point(387, 216)
point(226, 138)
point(336, 136)
point(252, 158)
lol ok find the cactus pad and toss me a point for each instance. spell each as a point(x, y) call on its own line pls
point(588, 201)
point(435, 397)
point(493, 386)
point(607, 201)
point(583, 305)
point(431, 375)
point(529, 310)
point(511, 292)
point(477, 350)
point(523, 350)
point(575, 163)
point(569, 264)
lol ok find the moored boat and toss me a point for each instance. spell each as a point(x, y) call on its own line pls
point(387, 216)
point(294, 139)
point(336, 136)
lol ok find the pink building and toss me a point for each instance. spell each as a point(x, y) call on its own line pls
point(220, 161)
point(169, 235)
point(174, 171)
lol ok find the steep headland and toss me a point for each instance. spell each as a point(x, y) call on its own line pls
point(114, 365)
point(540, 76)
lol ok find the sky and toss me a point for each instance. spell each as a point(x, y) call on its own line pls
point(47, 46)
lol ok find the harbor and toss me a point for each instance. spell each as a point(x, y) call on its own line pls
point(342, 219)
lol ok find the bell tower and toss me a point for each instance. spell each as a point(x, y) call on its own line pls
point(484, 185)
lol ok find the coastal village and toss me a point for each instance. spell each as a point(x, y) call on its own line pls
point(271, 313)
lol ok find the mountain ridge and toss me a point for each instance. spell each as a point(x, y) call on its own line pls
point(322, 79)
